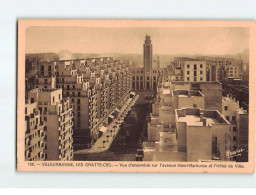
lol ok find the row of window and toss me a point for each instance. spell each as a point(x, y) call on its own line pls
point(195, 66)
point(195, 72)
point(195, 78)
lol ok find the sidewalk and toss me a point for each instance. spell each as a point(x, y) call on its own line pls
point(105, 141)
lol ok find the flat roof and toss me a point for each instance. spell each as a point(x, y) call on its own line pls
point(195, 116)
point(186, 93)
point(188, 59)
point(193, 120)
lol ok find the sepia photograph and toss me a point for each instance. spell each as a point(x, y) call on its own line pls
point(135, 96)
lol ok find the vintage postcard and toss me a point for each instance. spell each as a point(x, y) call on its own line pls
point(136, 96)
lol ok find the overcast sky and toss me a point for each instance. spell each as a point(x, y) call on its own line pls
point(206, 41)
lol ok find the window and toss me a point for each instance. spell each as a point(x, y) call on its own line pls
point(234, 129)
point(187, 65)
point(59, 96)
point(79, 94)
point(194, 106)
point(201, 65)
point(53, 99)
point(74, 86)
point(187, 72)
point(234, 138)
point(227, 117)
point(201, 78)
point(195, 79)
point(226, 107)
point(201, 72)
point(195, 67)
point(187, 78)
point(233, 118)
point(45, 118)
point(26, 110)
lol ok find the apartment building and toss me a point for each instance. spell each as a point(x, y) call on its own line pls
point(163, 117)
point(94, 85)
point(161, 144)
point(56, 113)
point(202, 134)
point(212, 91)
point(219, 69)
point(46, 69)
point(35, 130)
point(189, 69)
point(48, 82)
point(238, 118)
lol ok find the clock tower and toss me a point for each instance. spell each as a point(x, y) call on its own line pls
point(147, 54)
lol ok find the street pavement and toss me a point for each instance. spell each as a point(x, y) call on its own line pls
point(105, 141)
